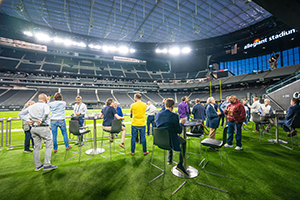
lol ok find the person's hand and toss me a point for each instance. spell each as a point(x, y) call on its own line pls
point(219, 113)
point(38, 122)
point(100, 117)
point(182, 121)
point(123, 118)
point(30, 122)
point(78, 113)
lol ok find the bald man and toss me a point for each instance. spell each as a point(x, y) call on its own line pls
point(39, 121)
point(27, 132)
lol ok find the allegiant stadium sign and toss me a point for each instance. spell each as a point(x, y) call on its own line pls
point(271, 38)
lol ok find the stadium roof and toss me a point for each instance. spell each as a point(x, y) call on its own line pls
point(157, 21)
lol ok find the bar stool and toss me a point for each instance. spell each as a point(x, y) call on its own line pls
point(75, 130)
point(295, 124)
point(116, 127)
point(256, 120)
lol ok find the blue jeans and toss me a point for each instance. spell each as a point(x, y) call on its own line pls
point(238, 136)
point(150, 120)
point(63, 128)
point(28, 137)
point(81, 121)
point(134, 132)
point(182, 152)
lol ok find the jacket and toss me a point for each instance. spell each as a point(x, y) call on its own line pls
point(212, 117)
point(236, 112)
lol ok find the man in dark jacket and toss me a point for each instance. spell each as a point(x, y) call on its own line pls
point(198, 111)
point(293, 111)
point(168, 120)
point(236, 115)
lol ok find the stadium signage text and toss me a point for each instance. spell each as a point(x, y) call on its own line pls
point(124, 59)
point(271, 38)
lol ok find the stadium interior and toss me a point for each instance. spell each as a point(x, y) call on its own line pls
point(159, 49)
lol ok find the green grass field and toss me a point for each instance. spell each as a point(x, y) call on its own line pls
point(258, 172)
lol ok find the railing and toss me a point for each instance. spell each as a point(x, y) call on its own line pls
point(283, 82)
point(2, 131)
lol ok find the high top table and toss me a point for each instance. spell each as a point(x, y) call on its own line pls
point(193, 172)
point(277, 116)
point(95, 150)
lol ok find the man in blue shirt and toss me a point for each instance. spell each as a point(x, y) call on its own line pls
point(168, 120)
point(108, 114)
point(222, 115)
point(293, 111)
point(198, 111)
point(163, 106)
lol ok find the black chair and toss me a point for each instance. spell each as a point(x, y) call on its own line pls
point(295, 124)
point(256, 120)
point(161, 139)
point(195, 135)
point(75, 130)
point(216, 144)
point(116, 127)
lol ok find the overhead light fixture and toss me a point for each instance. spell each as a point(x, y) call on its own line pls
point(58, 40)
point(164, 50)
point(28, 33)
point(123, 49)
point(174, 51)
point(132, 50)
point(112, 48)
point(91, 45)
point(81, 44)
point(157, 50)
point(186, 50)
point(42, 36)
point(67, 42)
point(105, 48)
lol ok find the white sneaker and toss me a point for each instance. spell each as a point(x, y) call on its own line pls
point(238, 148)
point(227, 145)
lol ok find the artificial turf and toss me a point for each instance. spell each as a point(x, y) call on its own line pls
point(258, 172)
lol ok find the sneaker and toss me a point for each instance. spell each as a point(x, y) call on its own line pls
point(255, 131)
point(238, 148)
point(145, 153)
point(122, 145)
point(181, 169)
point(54, 151)
point(81, 144)
point(27, 151)
point(39, 168)
point(76, 143)
point(227, 145)
point(169, 162)
point(132, 153)
point(50, 167)
point(69, 147)
point(292, 133)
point(111, 139)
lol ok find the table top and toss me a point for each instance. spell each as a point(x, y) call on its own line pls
point(190, 123)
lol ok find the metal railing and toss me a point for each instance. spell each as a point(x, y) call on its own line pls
point(2, 131)
point(283, 83)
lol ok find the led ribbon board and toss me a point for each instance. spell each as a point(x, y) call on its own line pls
point(268, 39)
point(124, 59)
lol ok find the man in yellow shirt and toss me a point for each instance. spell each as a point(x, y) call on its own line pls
point(138, 110)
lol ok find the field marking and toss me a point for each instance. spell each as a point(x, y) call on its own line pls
point(18, 130)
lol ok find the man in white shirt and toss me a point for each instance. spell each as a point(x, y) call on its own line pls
point(80, 110)
point(151, 113)
point(254, 107)
point(265, 110)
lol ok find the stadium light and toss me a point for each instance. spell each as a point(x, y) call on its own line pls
point(43, 36)
point(186, 50)
point(28, 33)
point(174, 51)
point(91, 45)
point(157, 50)
point(105, 48)
point(123, 49)
point(132, 50)
point(164, 51)
point(97, 47)
point(67, 42)
point(81, 44)
point(112, 48)
point(58, 40)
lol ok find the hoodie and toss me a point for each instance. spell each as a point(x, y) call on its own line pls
point(236, 112)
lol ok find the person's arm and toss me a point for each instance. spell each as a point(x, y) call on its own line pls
point(84, 110)
point(23, 115)
point(259, 111)
point(193, 110)
point(148, 108)
point(290, 113)
point(271, 110)
point(46, 115)
point(121, 112)
point(118, 117)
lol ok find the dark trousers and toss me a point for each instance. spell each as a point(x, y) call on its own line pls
point(28, 137)
point(283, 125)
point(150, 120)
point(221, 118)
point(182, 152)
point(256, 127)
point(81, 121)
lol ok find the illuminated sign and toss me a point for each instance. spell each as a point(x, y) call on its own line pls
point(124, 59)
point(271, 38)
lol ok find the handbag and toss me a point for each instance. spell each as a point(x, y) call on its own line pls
point(197, 129)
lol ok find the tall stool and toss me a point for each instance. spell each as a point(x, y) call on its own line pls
point(295, 124)
point(75, 130)
point(116, 127)
point(256, 120)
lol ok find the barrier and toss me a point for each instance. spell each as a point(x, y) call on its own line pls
point(2, 131)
